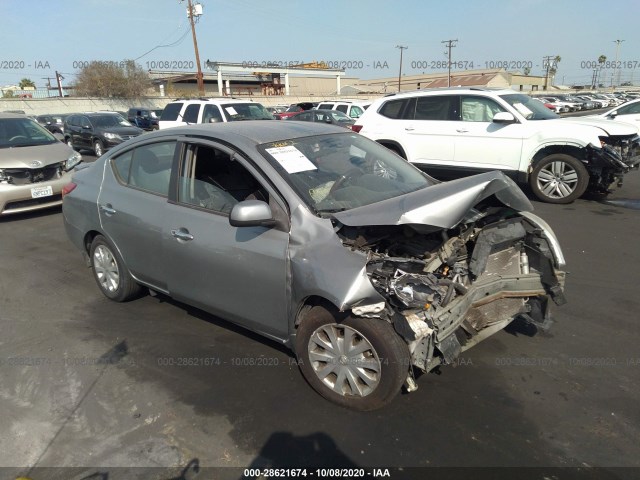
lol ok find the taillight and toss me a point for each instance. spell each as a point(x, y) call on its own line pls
point(356, 128)
point(68, 188)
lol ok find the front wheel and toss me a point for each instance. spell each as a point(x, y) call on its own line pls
point(559, 178)
point(355, 362)
point(110, 272)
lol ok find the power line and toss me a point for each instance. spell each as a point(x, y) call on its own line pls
point(177, 42)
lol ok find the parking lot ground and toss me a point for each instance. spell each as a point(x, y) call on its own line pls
point(88, 383)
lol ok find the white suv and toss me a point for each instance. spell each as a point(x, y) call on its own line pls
point(352, 108)
point(210, 110)
point(469, 130)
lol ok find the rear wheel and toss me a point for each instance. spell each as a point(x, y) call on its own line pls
point(355, 362)
point(559, 178)
point(110, 272)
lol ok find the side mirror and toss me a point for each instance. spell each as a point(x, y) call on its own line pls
point(251, 213)
point(86, 127)
point(613, 114)
point(504, 117)
point(327, 119)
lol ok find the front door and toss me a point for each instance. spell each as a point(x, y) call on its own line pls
point(238, 273)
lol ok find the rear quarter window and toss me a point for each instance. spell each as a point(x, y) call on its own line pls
point(171, 111)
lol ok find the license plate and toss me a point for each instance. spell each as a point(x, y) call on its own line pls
point(40, 192)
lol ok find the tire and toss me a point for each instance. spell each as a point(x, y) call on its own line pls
point(559, 178)
point(110, 272)
point(339, 376)
point(98, 148)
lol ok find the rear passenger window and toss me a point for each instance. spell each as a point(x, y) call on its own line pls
point(122, 165)
point(434, 108)
point(171, 111)
point(149, 167)
point(191, 113)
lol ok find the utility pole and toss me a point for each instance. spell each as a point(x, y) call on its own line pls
point(196, 11)
point(400, 72)
point(450, 44)
point(59, 79)
point(546, 63)
point(617, 42)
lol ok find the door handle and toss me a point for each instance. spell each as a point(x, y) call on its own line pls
point(182, 234)
point(462, 130)
point(108, 209)
point(409, 129)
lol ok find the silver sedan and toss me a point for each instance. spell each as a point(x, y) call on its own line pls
point(321, 239)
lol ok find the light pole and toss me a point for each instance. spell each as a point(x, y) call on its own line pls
point(450, 45)
point(617, 42)
point(196, 11)
point(400, 72)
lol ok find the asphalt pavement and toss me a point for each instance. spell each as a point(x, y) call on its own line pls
point(97, 385)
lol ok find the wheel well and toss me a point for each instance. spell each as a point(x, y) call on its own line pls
point(316, 301)
point(88, 239)
point(575, 152)
point(394, 147)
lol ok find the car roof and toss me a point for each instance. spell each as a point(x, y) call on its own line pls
point(256, 131)
point(12, 115)
point(434, 91)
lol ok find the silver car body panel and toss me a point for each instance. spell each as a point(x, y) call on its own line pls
point(442, 206)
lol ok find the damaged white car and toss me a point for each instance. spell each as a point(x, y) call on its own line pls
point(363, 265)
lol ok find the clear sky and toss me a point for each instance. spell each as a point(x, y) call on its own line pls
point(39, 37)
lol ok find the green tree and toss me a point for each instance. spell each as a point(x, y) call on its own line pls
point(26, 83)
point(110, 79)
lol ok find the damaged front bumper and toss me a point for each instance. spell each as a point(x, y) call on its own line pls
point(514, 269)
point(608, 165)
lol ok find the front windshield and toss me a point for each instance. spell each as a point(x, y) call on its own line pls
point(528, 107)
point(110, 120)
point(246, 111)
point(23, 132)
point(341, 171)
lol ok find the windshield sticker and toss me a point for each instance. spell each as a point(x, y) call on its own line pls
point(231, 111)
point(291, 159)
point(522, 109)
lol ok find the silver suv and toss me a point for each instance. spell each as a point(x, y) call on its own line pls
point(185, 111)
point(458, 131)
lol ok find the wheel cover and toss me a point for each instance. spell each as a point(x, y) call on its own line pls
point(557, 180)
point(344, 360)
point(106, 268)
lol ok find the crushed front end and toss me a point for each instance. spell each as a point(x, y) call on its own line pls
point(608, 165)
point(447, 289)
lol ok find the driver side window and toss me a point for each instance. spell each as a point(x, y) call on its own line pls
point(211, 179)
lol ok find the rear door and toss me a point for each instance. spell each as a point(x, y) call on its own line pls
point(132, 206)
point(429, 130)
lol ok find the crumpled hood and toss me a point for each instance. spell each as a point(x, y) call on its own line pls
point(609, 126)
point(443, 205)
point(22, 157)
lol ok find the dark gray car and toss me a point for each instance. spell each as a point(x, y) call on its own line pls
point(320, 239)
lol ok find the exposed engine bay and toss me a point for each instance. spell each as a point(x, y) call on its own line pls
point(446, 290)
